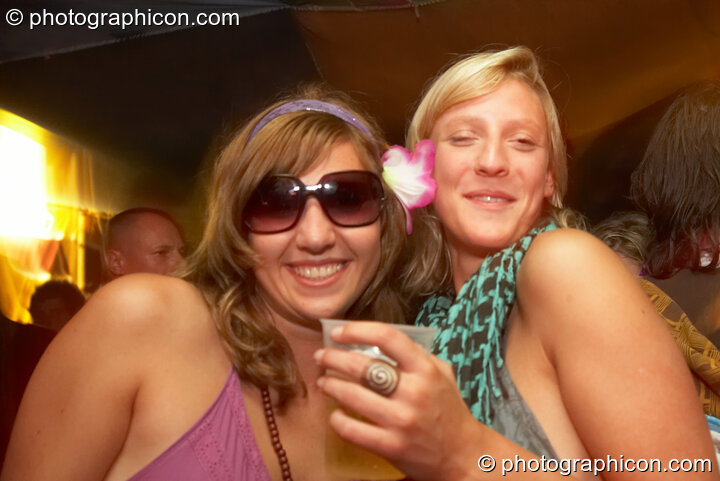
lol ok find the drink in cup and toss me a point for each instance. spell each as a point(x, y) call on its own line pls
point(342, 457)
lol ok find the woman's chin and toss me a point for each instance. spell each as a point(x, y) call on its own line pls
point(324, 312)
point(487, 242)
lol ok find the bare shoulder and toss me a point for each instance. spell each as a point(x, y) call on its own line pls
point(82, 395)
point(567, 258)
point(566, 250)
point(128, 322)
point(139, 302)
point(569, 276)
point(147, 292)
point(601, 334)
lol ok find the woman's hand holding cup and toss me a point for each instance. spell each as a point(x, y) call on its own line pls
point(419, 425)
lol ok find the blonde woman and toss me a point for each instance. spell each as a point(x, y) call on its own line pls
point(557, 351)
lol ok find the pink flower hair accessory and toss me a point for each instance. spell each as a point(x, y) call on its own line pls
point(409, 175)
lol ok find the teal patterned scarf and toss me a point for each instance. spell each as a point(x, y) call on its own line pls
point(471, 326)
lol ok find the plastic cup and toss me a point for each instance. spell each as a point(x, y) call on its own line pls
point(342, 457)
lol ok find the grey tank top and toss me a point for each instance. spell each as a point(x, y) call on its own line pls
point(471, 336)
point(513, 418)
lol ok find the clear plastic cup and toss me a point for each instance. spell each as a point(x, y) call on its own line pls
point(342, 457)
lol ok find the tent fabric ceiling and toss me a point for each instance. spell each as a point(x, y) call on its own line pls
point(125, 19)
point(604, 60)
point(165, 97)
point(67, 32)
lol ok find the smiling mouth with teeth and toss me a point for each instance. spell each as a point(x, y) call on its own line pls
point(317, 272)
point(487, 198)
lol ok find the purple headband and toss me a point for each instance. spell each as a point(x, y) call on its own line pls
point(310, 105)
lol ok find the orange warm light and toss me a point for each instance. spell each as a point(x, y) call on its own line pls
point(40, 213)
point(23, 192)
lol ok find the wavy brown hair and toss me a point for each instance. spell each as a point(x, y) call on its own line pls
point(222, 265)
point(677, 184)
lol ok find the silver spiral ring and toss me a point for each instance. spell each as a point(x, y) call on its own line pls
point(381, 377)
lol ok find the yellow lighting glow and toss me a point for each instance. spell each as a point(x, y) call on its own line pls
point(46, 191)
point(23, 193)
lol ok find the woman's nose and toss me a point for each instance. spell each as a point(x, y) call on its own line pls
point(491, 159)
point(314, 232)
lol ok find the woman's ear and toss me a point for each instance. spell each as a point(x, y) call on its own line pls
point(549, 185)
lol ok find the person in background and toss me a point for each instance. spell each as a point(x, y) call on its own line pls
point(142, 239)
point(626, 234)
point(677, 185)
point(54, 303)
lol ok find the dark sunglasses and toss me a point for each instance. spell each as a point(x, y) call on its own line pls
point(350, 198)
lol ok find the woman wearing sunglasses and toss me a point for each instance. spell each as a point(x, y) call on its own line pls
point(213, 377)
point(558, 353)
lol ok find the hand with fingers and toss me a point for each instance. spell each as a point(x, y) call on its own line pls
point(418, 420)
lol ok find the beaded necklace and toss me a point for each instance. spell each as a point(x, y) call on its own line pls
point(275, 435)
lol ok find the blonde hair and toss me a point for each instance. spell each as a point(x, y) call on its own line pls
point(222, 266)
point(481, 74)
point(468, 78)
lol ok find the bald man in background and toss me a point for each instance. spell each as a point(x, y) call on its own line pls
point(142, 240)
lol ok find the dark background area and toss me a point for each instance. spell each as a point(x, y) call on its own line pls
point(167, 97)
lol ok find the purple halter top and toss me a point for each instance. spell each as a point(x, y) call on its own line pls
point(220, 446)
